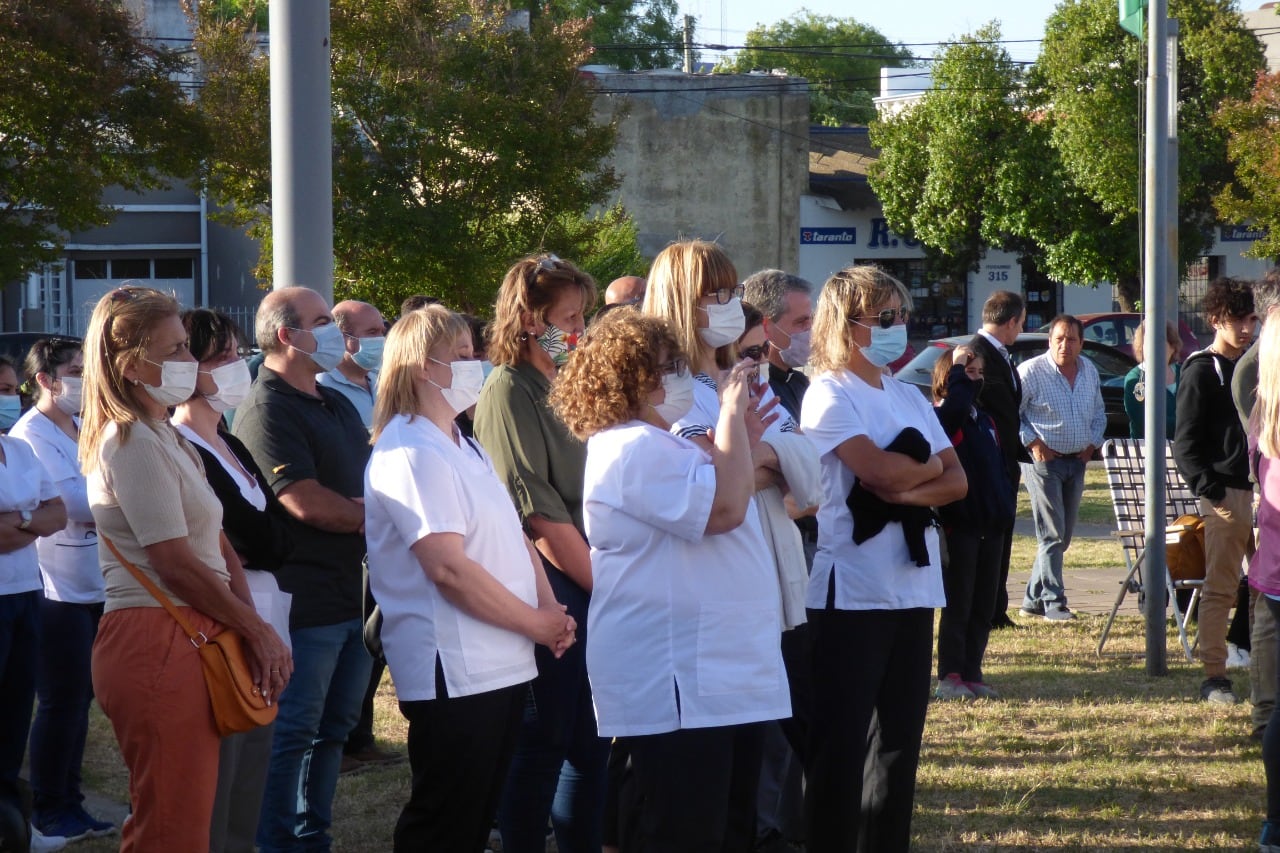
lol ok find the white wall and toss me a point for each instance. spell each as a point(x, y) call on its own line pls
point(864, 237)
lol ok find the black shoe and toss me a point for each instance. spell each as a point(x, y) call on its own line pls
point(1218, 691)
point(1003, 622)
point(1036, 610)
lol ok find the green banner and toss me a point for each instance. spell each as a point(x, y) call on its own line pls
point(1132, 13)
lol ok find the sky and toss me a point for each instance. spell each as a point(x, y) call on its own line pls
point(727, 21)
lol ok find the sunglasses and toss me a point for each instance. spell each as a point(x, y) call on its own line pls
point(754, 353)
point(546, 263)
point(725, 294)
point(886, 318)
point(677, 367)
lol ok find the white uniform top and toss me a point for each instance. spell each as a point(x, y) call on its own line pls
point(24, 484)
point(419, 482)
point(684, 627)
point(879, 574)
point(68, 558)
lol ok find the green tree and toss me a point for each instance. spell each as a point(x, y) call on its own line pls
point(1064, 179)
point(936, 176)
point(84, 104)
point(628, 34)
point(840, 58)
point(460, 143)
point(1253, 126)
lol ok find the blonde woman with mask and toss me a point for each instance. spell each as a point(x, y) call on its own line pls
point(463, 594)
point(877, 577)
point(150, 499)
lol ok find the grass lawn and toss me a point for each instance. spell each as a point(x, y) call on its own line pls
point(1095, 503)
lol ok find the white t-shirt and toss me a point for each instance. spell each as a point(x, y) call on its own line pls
point(419, 482)
point(673, 609)
point(24, 484)
point(879, 574)
point(68, 558)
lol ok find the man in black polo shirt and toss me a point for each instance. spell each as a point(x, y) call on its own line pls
point(313, 447)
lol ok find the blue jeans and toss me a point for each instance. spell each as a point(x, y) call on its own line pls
point(1055, 488)
point(64, 685)
point(19, 639)
point(317, 711)
point(559, 764)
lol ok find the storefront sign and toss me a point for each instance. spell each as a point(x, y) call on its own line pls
point(829, 236)
point(1240, 233)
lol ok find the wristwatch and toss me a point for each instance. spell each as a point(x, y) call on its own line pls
point(26, 519)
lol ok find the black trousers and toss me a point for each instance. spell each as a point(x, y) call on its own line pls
point(865, 663)
point(693, 790)
point(970, 579)
point(459, 751)
point(1002, 589)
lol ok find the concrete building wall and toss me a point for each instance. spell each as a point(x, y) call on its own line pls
point(719, 157)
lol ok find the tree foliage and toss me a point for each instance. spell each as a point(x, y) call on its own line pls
point(628, 34)
point(84, 104)
point(460, 143)
point(1253, 144)
point(840, 58)
point(1065, 181)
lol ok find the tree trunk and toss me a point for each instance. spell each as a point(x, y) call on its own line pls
point(1128, 292)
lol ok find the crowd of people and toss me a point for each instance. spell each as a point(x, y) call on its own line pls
point(640, 569)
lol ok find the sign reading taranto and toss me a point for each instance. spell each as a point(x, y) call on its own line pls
point(881, 236)
point(1240, 233)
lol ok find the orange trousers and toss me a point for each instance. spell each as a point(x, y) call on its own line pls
point(147, 677)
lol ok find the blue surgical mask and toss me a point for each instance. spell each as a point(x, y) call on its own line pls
point(10, 410)
point(886, 344)
point(369, 356)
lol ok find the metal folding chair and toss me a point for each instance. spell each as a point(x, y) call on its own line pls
point(1124, 459)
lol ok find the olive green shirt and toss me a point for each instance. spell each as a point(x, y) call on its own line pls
point(542, 464)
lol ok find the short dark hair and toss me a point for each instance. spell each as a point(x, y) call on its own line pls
point(47, 355)
point(751, 317)
point(1227, 297)
point(1001, 307)
point(418, 300)
point(210, 332)
point(1071, 320)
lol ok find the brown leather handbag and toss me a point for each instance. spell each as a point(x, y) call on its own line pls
point(238, 704)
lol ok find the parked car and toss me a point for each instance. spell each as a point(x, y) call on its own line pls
point(1116, 330)
point(1112, 366)
point(16, 345)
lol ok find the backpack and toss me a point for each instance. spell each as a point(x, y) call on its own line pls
point(1184, 549)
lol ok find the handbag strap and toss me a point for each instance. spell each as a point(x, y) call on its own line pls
point(197, 638)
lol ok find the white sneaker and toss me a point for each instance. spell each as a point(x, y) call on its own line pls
point(46, 843)
point(1237, 658)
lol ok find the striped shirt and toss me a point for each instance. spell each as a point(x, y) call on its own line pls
point(1066, 418)
point(706, 410)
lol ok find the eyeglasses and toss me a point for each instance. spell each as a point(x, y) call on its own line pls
point(122, 294)
point(886, 318)
point(725, 294)
point(677, 366)
point(754, 353)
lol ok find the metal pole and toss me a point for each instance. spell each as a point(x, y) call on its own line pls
point(301, 143)
point(1158, 276)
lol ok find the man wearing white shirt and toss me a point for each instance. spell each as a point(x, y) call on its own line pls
point(356, 377)
point(1063, 422)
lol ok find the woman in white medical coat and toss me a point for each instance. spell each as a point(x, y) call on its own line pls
point(684, 660)
point(463, 595)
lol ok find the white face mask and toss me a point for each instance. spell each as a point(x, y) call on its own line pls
point(233, 382)
point(72, 391)
point(678, 388)
point(725, 323)
point(887, 345)
point(464, 386)
point(330, 346)
point(177, 382)
point(796, 353)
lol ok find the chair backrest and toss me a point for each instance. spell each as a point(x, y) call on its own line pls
point(1125, 461)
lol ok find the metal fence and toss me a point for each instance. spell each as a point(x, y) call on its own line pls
point(75, 322)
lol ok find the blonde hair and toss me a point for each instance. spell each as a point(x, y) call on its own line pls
point(612, 372)
point(1171, 337)
point(533, 284)
point(118, 336)
point(682, 274)
point(408, 349)
point(854, 291)
point(1265, 419)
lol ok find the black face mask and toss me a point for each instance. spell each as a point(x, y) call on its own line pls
point(978, 385)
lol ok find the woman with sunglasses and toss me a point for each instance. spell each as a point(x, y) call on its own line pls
point(151, 502)
point(559, 764)
point(684, 618)
point(877, 577)
point(73, 596)
point(256, 525)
